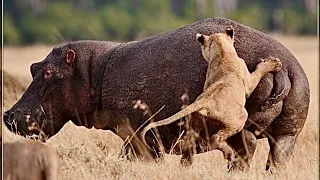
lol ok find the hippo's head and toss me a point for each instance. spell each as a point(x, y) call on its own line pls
point(60, 91)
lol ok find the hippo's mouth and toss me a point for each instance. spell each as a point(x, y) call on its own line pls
point(28, 126)
point(35, 131)
point(37, 135)
point(34, 134)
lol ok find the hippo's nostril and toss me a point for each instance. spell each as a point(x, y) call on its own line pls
point(8, 118)
point(5, 116)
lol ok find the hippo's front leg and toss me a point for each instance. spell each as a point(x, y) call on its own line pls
point(132, 147)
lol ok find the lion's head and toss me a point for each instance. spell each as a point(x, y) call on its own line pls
point(214, 44)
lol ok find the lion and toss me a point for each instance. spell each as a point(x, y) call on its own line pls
point(228, 84)
point(29, 159)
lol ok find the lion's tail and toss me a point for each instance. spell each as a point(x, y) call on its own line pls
point(186, 111)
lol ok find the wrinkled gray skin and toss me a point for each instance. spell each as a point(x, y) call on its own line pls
point(99, 88)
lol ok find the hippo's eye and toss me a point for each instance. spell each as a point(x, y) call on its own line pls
point(48, 73)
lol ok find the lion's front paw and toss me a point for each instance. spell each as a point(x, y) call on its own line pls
point(271, 64)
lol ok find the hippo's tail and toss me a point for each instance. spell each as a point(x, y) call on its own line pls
point(281, 88)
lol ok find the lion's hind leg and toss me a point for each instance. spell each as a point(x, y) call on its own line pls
point(218, 141)
point(232, 124)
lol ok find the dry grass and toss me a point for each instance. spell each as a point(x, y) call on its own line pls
point(93, 154)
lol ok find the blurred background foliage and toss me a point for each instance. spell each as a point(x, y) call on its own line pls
point(56, 21)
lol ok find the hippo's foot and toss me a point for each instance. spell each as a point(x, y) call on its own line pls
point(281, 149)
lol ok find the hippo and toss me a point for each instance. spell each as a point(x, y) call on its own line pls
point(98, 84)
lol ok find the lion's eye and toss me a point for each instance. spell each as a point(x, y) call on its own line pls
point(48, 73)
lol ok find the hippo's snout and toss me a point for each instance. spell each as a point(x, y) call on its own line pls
point(6, 116)
point(9, 117)
point(9, 121)
point(23, 122)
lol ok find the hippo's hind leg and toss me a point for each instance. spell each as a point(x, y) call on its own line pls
point(282, 142)
point(285, 129)
point(281, 148)
point(244, 144)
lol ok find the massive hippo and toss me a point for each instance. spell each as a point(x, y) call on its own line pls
point(99, 84)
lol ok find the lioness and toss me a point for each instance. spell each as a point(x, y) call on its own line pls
point(30, 160)
point(228, 84)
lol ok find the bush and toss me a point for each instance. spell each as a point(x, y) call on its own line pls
point(117, 23)
point(157, 17)
point(10, 33)
point(61, 22)
point(308, 24)
point(253, 16)
point(36, 30)
point(53, 22)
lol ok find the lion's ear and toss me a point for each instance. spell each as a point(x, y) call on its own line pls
point(202, 38)
point(229, 31)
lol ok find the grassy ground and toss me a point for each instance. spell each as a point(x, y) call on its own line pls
point(93, 154)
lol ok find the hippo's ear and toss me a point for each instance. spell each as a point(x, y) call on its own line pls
point(33, 68)
point(70, 57)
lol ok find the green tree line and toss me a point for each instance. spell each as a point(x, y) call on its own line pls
point(56, 21)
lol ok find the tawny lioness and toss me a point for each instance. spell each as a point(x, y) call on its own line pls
point(228, 84)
